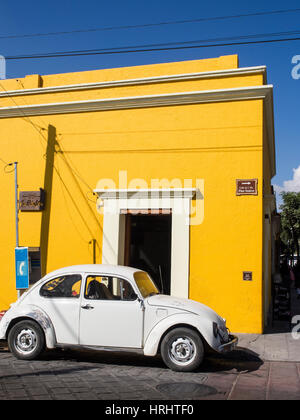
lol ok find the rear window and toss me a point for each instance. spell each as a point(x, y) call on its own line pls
point(62, 287)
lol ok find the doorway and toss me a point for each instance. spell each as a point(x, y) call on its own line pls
point(35, 273)
point(148, 242)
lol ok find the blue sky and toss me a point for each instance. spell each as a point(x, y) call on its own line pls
point(19, 17)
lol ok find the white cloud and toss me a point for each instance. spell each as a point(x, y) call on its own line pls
point(292, 185)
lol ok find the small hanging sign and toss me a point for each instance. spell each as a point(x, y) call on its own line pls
point(32, 200)
point(247, 275)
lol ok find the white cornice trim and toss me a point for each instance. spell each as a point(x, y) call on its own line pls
point(264, 92)
point(182, 98)
point(140, 81)
point(154, 193)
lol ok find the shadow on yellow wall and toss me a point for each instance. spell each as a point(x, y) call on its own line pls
point(54, 148)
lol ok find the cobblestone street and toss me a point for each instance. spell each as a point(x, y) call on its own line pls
point(74, 375)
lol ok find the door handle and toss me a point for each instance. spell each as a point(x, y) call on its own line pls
point(87, 307)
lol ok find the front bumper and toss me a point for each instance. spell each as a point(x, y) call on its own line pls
point(230, 346)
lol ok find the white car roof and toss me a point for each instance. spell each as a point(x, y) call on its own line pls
point(95, 268)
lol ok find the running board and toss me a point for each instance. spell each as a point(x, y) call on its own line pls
point(101, 348)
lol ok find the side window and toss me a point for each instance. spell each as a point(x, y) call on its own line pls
point(62, 287)
point(108, 288)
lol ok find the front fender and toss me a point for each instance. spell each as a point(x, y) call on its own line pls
point(33, 312)
point(203, 325)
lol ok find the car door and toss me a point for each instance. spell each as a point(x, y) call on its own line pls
point(61, 301)
point(110, 313)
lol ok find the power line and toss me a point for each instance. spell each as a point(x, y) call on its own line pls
point(149, 25)
point(251, 36)
point(3, 161)
point(40, 130)
point(24, 116)
point(147, 48)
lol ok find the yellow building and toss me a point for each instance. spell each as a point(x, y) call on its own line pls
point(196, 140)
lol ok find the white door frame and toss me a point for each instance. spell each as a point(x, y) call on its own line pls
point(176, 200)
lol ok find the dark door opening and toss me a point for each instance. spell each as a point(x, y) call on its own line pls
point(35, 273)
point(148, 246)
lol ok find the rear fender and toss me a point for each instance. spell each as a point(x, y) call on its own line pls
point(33, 312)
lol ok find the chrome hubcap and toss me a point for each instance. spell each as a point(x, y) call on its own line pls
point(26, 341)
point(182, 351)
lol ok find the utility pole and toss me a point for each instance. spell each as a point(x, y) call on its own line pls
point(16, 207)
point(16, 204)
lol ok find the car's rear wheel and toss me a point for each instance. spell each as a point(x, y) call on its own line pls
point(26, 340)
point(182, 350)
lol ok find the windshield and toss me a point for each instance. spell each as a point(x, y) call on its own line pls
point(145, 284)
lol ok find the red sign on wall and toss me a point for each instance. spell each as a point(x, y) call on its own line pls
point(246, 187)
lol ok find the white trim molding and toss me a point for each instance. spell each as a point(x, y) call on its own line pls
point(264, 92)
point(140, 81)
point(145, 101)
point(140, 193)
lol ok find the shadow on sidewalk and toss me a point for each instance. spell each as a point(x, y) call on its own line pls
point(240, 360)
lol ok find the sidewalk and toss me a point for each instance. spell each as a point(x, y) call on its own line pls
point(277, 344)
point(280, 347)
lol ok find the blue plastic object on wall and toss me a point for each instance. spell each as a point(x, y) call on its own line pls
point(22, 268)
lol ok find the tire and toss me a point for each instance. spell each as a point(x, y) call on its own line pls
point(26, 340)
point(182, 350)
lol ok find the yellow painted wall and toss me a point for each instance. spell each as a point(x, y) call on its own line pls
point(68, 154)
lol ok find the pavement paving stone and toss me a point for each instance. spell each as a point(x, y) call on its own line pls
point(85, 375)
point(244, 393)
point(43, 398)
point(36, 391)
point(283, 396)
point(251, 382)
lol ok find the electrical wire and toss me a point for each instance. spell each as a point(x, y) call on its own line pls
point(64, 187)
point(23, 115)
point(6, 165)
point(56, 169)
point(142, 48)
point(231, 38)
point(40, 131)
point(150, 25)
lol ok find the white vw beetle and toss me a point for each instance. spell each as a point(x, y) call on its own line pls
point(112, 307)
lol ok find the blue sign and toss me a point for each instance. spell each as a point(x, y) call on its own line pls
point(22, 268)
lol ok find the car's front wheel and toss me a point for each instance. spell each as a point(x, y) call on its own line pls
point(182, 350)
point(26, 340)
